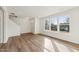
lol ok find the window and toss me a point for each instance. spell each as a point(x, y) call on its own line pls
point(60, 23)
point(54, 23)
point(64, 23)
point(47, 24)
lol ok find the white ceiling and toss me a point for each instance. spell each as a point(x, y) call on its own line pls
point(34, 11)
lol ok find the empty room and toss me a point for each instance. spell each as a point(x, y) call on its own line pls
point(39, 28)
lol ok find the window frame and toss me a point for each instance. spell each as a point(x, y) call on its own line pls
point(65, 24)
point(54, 24)
point(58, 23)
point(45, 25)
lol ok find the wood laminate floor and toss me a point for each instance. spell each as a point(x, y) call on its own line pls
point(37, 43)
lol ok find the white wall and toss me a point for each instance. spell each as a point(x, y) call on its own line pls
point(13, 29)
point(16, 20)
point(34, 25)
point(25, 25)
point(10, 28)
point(73, 35)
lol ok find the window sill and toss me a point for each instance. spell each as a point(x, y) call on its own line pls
point(57, 31)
